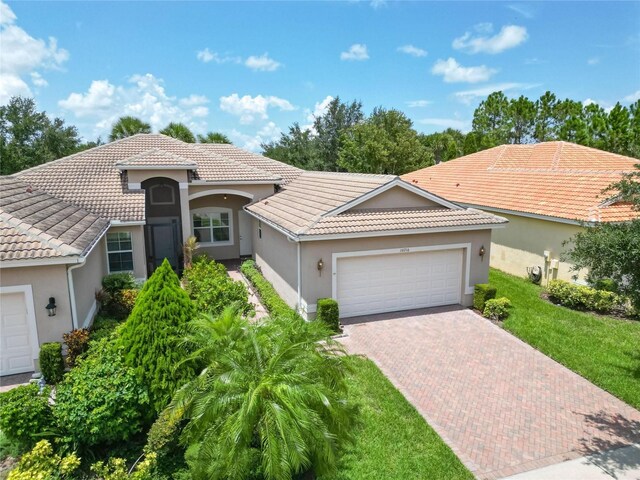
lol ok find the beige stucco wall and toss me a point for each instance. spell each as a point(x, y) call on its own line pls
point(46, 281)
point(397, 197)
point(522, 244)
point(258, 191)
point(139, 176)
point(87, 280)
point(277, 258)
point(139, 255)
point(315, 286)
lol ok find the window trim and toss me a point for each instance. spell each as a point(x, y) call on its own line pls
point(207, 211)
point(107, 251)
point(171, 188)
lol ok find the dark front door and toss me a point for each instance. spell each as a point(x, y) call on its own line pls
point(162, 241)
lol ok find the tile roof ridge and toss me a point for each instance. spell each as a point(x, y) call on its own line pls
point(154, 150)
point(503, 149)
point(555, 162)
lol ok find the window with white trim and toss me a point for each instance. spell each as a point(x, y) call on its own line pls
point(213, 226)
point(119, 252)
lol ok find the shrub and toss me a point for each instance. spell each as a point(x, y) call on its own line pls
point(77, 342)
point(42, 463)
point(163, 440)
point(127, 298)
point(482, 292)
point(603, 301)
point(497, 308)
point(149, 337)
point(24, 413)
point(605, 284)
point(116, 469)
point(114, 301)
point(103, 327)
point(276, 306)
point(116, 282)
point(329, 313)
point(581, 297)
point(211, 289)
point(100, 401)
point(51, 362)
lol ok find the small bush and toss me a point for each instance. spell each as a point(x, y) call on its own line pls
point(603, 301)
point(127, 298)
point(605, 284)
point(211, 289)
point(276, 306)
point(482, 292)
point(25, 413)
point(116, 469)
point(116, 282)
point(581, 297)
point(163, 439)
point(329, 313)
point(100, 401)
point(77, 342)
point(103, 327)
point(497, 308)
point(43, 463)
point(51, 362)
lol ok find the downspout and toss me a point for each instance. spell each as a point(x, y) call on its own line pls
point(72, 293)
point(299, 280)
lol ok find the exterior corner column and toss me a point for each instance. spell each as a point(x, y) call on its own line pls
point(184, 211)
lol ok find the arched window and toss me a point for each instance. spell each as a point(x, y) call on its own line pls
point(213, 226)
point(162, 194)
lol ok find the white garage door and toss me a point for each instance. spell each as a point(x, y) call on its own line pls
point(18, 341)
point(399, 281)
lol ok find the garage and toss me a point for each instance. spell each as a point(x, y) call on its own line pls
point(18, 336)
point(369, 283)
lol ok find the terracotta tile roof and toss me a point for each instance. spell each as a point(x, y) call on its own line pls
point(34, 224)
point(92, 180)
point(286, 171)
point(306, 205)
point(555, 179)
point(156, 158)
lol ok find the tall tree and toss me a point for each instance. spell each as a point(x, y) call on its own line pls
point(596, 123)
point(491, 120)
point(385, 143)
point(619, 130)
point(521, 120)
point(445, 145)
point(29, 137)
point(544, 124)
point(297, 147)
point(128, 126)
point(213, 137)
point(179, 131)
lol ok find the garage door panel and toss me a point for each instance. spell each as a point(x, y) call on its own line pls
point(16, 335)
point(400, 281)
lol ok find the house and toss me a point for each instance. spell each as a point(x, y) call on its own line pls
point(548, 192)
point(375, 243)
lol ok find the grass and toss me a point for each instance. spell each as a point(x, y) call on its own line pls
point(604, 350)
point(393, 440)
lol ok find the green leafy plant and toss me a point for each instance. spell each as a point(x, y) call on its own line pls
point(211, 289)
point(43, 463)
point(271, 403)
point(481, 293)
point(77, 342)
point(116, 282)
point(149, 336)
point(276, 306)
point(581, 297)
point(116, 469)
point(100, 401)
point(25, 413)
point(497, 308)
point(103, 327)
point(329, 313)
point(163, 441)
point(51, 362)
point(127, 299)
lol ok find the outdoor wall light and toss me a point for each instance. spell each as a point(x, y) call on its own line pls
point(482, 252)
point(51, 307)
point(320, 266)
point(225, 196)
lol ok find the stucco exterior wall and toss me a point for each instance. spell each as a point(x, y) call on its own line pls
point(397, 197)
point(277, 258)
point(258, 191)
point(46, 281)
point(523, 242)
point(316, 285)
point(139, 176)
point(139, 254)
point(87, 280)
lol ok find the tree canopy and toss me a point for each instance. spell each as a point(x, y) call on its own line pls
point(179, 131)
point(213, 137)
point(128, 126)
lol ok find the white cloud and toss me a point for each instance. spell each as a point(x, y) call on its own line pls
point(522, 9)
point(207, 56)
point(376, 4)
point(593, 61)
point(633, 97)
point(319, 109)
point(22, 55)
point(468, 96)
point(357, 52)
point(510, 36)
point(250, 109)
point(267, 133)
point(143, 96)
point(453, 72)
point(263, 63)
point(418, 103)
point(413, 51)
point(446, 123)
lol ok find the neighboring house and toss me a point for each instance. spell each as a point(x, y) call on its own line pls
point(375, 243)
point(547, 191)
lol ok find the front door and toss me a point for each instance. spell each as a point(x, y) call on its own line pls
point(163, 243)
point(244, 230)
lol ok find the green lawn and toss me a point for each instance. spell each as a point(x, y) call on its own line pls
point(604, 350)
point(393, 440)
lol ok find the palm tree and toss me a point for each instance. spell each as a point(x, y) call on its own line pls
point(213, 137)
point(179, 131)
point(270, 403)
point(127, 126)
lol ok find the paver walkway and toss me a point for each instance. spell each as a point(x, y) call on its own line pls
point(502, 406)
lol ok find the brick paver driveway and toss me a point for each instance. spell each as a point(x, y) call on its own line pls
point(501, 405)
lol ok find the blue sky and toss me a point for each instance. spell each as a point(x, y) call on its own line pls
point(250, 69)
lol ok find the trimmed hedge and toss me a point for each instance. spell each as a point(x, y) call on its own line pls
point(276, 306)
point(51, 362)
point(25, 413)
point(329, 313)
point(481, 293)
point(497, 308)
point(581, 297)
